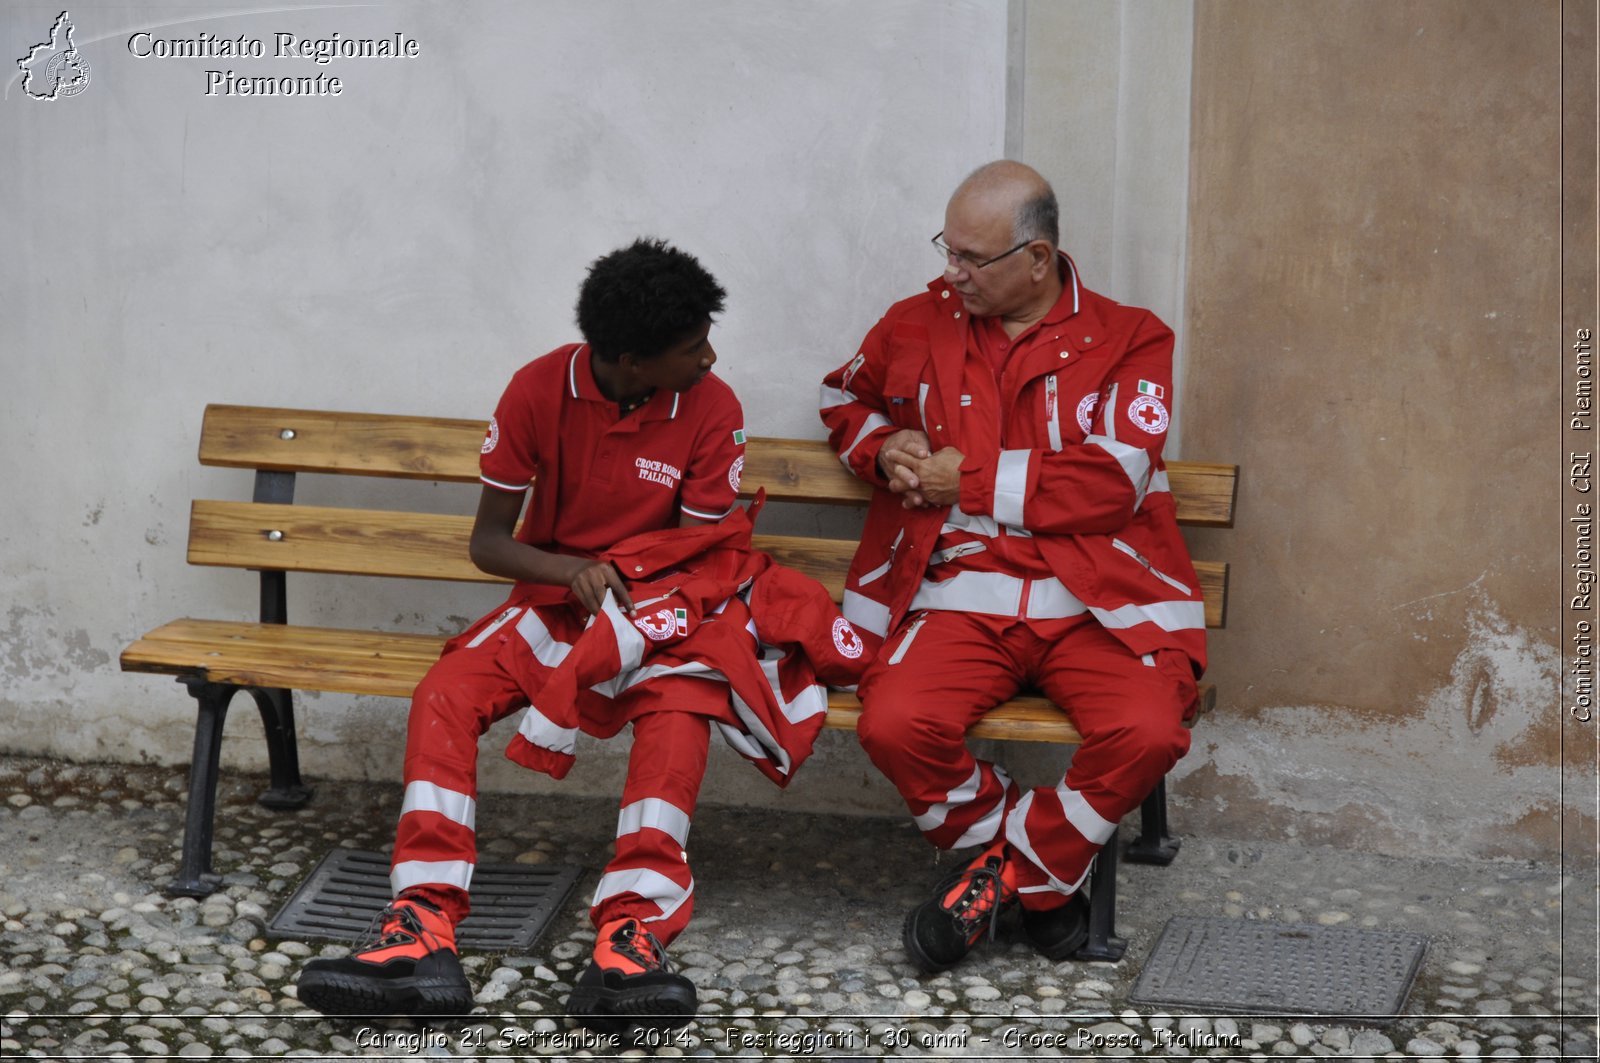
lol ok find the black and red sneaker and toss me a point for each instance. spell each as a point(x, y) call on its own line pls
point(963, 909)
point(1058, 932)
point(630, 983)
point(407, 965)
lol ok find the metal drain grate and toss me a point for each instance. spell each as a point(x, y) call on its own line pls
point(1280, 969)
point(512, 904)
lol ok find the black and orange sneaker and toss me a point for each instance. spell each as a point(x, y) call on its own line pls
point(963, 909)
point(629, 983)
point(406, 965)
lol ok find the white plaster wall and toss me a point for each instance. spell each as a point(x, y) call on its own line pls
point(1105, 115)
point(404, 247)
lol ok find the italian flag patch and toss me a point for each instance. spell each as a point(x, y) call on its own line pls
point(1147, 388)
point(738, 437)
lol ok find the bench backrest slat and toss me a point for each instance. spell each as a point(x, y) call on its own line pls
point(367, 542)
point(301, 538)
point(360, 444)
point(442, 449)
point(362, 542)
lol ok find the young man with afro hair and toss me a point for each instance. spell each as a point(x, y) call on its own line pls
point(625, 433)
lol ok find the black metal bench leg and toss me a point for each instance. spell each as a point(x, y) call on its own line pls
point(1103, 943)
point(195, 877)
point(285, 791)
point(1153, 845)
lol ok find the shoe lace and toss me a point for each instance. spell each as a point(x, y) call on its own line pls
point(396, 924)
point(640, 946)
point(982, 898)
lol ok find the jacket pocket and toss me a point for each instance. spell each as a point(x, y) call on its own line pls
point(906, 640)
point(882, 570)
point(904, 390)
point(1148, 567)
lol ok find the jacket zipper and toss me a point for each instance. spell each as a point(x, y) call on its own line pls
point(879, 572)
point(499, 622)
point(905, 641)
point(1148, 567)
point(1052, 411)
point(942, 556)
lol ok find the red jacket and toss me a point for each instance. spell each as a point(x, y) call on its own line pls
point(1076, 463)
point(706, 604)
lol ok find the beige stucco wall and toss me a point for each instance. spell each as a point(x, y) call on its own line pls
point(1104, 112)
point(1580, 264)
point(1373, 308)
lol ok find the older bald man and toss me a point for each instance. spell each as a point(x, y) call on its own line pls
point(1021, 534)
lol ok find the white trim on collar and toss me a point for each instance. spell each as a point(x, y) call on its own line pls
point(572, 371)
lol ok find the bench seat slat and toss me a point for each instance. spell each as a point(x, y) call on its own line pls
point(364, 542)
point(445, 449)
point(389, 664)
point(195, 637)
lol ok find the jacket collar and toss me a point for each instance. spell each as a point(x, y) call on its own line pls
point(1067, 306)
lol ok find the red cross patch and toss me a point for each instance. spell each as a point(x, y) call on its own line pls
point(1086, 408)
point(1148, 413)
point(845, 639)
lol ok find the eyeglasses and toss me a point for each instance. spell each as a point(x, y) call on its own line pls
point(967, 260)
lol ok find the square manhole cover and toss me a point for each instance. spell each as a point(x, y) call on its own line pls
point(1235, 965)
point(512, 904)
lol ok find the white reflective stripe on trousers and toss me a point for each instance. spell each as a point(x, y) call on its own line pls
point(543, 732)
point(657, 814)
point(1017, 838)
point(410, 873)
point(960, 795)
point(451, 804)
point(984, 830)
point(653, 886)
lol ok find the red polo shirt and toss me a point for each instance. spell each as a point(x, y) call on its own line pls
point(599, 477)
point(989, 333)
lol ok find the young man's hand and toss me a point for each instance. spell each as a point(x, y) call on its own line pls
point(590, 581)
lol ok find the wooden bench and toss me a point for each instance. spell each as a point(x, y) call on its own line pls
point(216, 659)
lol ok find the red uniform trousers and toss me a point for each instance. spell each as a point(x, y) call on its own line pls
point(940, 674)
point(473, 684)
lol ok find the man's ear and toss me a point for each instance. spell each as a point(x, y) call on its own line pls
point(1044, 258)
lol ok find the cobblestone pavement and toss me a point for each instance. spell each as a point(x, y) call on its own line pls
point(795, 945)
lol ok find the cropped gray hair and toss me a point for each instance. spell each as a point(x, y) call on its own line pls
point(1039, 218)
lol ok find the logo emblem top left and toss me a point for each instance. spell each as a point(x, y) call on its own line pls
point(55, 69)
